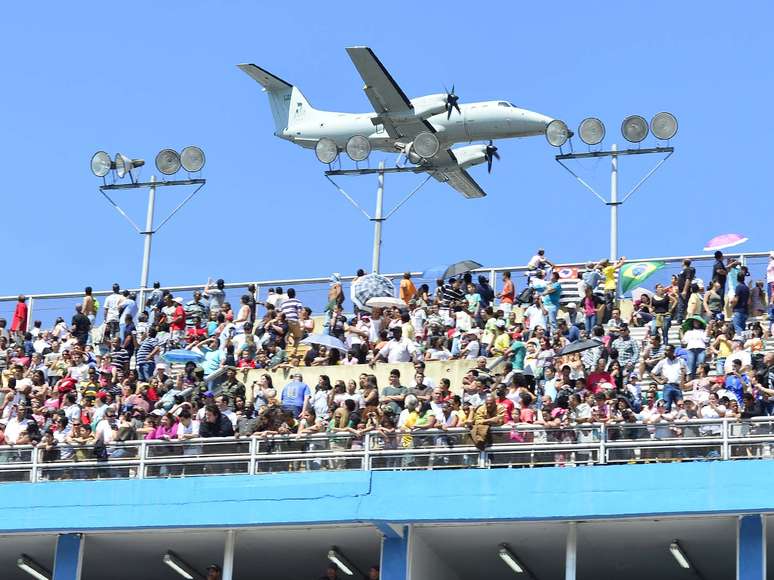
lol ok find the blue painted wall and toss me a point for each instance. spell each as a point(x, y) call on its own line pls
point(320, 497)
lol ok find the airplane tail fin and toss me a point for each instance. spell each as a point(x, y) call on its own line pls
point(288, 104)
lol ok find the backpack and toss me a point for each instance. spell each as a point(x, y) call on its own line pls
point(526, 295)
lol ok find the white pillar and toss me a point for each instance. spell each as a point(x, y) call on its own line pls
point(378, 220)
point(228, 555)
point(148, 239)
point(614, 204)
point(571, 554)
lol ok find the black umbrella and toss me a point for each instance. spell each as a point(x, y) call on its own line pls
point(579, 346)
point(451, 270)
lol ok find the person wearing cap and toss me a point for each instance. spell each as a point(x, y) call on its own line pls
point(215, 294)
point(568, 331)
point(177, 321)
point(213, 572)
point(539, 263)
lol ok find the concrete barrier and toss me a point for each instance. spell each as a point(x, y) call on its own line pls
point(453, 370)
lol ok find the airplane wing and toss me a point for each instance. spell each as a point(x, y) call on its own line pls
point(385, 95)
point(444, 168)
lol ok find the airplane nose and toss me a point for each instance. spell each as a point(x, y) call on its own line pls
point(531, 123)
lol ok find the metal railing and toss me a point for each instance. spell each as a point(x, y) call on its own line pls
point(320, 284)
point(519, 445)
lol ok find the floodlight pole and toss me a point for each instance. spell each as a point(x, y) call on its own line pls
point(149, 229)
point(615, 202)
point(148, 233)
point(379, 218)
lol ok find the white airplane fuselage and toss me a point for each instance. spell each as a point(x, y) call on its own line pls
point(475, 122)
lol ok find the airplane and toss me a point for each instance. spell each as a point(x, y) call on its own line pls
point(422, 129)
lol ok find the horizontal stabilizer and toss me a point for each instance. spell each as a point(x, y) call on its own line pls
point(265, 78)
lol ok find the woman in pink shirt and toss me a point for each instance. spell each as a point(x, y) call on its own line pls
point(166, 430)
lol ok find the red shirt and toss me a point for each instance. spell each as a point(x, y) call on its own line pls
point(508, 404)
point(196, 332)
point(178, 322)
point(19, 317)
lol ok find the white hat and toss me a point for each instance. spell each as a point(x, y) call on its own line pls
point(177, 299)
point(571, 306)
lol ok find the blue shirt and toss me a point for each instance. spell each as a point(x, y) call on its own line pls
point(736, 385)
point(293, 394)
point(552, 299)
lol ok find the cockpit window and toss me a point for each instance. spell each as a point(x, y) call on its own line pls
point(503, 104)
point(514, 106)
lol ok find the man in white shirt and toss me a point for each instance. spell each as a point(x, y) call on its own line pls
point(536, 314)
point(670, 372)
point(223, 405)
point(112, 309)
point(397, 350)
point(738, 353)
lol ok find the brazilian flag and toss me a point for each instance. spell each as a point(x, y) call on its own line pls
point(633, 275)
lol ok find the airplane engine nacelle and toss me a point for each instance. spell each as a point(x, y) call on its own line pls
point(426, 107)
point(470, 155)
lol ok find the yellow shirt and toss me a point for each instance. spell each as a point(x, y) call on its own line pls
point(609, 274)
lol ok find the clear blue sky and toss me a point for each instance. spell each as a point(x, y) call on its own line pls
point(137, 77)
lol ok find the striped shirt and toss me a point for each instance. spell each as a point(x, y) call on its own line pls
point(145, 349)
point(119, 359)
point(291, 308)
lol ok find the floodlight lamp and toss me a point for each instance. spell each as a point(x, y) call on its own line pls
point(634, 128)
point(557, 133)
point(358, 147)
point(591, 131)
point(664, 126)
point(426, 145)
point(326, 150)
point(31, 567)
point(101, 164)
point(192, 159)
point(337, 558)
point(168, 161)
point(125, 165)
point(679, 555)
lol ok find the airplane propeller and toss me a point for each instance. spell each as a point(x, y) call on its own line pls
point(489, 153)
point(451, 102)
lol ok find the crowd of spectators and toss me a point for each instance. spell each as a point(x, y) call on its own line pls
point(103, 376)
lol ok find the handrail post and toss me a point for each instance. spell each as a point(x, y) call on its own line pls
point(602, 459)
point(143, 452)
point(34, 475)
point(367, 452)
point(725, 447)
point(253, 447)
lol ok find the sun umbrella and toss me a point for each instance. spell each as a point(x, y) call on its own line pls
point(447, 272)
point(181, 355)
point(688, 323)
point(325, 340)
point(385, 302)
point(638, 293)
point(579, 346)
point(724, 241)
point(371, 286)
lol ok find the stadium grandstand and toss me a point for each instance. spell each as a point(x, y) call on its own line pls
point(643, 371)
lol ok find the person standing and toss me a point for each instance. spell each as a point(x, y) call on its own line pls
point(20, 313)
point(770, 277)
point(684, 282)
point(407, 288)
point(740, 303)
point(507, 295)
point(670, 372)
point(89, 305)
point(610, 285)
point(551, 297)
point(112, 309)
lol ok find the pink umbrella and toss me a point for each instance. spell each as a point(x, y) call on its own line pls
point(724, 241)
